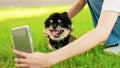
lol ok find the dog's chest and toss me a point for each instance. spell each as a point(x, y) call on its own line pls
point(61, 43)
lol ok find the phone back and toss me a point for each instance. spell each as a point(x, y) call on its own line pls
point(22, 40)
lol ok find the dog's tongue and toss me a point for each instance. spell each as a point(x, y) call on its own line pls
point(55, 33)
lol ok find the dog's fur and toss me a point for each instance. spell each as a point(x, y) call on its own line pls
point(58, 29)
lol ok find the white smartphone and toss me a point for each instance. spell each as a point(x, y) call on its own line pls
point(22, 40)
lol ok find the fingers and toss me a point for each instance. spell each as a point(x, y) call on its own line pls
point(23, 54)
point(21, 60)
point(22, 65)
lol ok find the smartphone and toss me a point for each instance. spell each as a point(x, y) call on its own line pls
point(22, 40)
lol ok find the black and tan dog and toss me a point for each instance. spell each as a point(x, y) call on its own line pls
point(58, 29)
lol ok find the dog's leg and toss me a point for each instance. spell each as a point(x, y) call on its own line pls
point(72, 38)
point(50, 47)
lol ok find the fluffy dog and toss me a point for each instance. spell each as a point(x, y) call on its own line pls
point(58, 29)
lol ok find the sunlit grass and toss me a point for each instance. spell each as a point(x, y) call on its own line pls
point(20, 12)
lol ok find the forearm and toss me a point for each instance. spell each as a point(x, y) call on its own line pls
point(79, 46)
point(76, 7)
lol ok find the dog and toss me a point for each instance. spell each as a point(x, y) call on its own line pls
point(58, 29)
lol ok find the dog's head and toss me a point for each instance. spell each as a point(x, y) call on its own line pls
point(58, 26)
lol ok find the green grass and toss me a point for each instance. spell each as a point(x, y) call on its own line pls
point(34, 17)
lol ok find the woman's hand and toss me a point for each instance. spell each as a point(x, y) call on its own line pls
point(32, 60)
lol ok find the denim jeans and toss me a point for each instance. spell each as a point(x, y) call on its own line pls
point(95, 7)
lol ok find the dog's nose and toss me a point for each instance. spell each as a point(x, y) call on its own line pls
point(54, 26)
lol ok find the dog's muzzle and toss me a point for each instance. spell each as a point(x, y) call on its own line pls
point(56, 33)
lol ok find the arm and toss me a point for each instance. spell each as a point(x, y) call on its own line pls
point(76, 7)
point(89, 40)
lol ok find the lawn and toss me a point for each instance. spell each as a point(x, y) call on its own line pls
point(34, 17)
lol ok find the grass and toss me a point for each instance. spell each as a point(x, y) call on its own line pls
point(34, 17)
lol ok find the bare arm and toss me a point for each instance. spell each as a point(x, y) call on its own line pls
point(89, 40)
point(76, 7)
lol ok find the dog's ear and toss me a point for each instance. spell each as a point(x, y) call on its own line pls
point(65, 13)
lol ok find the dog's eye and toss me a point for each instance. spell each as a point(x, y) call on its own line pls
point(60, 24)
point(59, 21)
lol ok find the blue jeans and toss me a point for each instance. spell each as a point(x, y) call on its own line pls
point(95, 7)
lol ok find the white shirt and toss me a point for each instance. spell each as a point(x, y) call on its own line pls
point(111, 5)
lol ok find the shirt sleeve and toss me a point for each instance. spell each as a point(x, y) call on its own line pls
point(111, 5)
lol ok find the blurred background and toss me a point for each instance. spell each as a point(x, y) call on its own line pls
point(13, 3)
